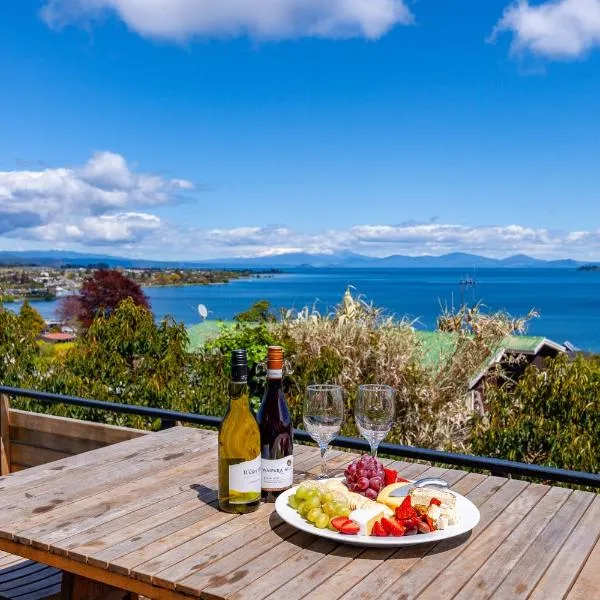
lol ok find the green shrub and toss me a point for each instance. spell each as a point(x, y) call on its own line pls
point(549, 417)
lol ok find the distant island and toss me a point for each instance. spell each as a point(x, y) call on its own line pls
point(589, 268)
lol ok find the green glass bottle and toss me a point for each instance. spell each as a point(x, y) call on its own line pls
point(239, 445)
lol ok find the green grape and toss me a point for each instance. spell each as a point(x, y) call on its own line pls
point(293, 501)
point(322, 521)
point(314, 514)
point(329, 509)
point(344, 511)
point(303, 508)
point(302, 492)
point(327, 497)
point(314, 502)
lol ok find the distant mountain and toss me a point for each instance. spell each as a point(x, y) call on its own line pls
point(345, 259)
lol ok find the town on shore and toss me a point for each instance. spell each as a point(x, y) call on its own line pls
point(44, 283)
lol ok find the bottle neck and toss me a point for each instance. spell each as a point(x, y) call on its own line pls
point(238, 393)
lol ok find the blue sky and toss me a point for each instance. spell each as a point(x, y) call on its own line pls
point(190, 129)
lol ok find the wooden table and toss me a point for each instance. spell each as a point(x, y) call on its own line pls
point(141, 516)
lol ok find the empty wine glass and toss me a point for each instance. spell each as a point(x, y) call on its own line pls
point(374, 413)
point(323, 417)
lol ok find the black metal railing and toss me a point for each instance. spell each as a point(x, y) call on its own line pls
point(496, 466)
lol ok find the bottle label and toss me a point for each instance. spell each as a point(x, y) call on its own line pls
point(244, 481)
point(274, 373)
point(277, 475)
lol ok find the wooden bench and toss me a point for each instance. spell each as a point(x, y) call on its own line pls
point(22, 579)
point(28, 440)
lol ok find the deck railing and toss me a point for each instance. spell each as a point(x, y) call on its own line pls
point(496, 466)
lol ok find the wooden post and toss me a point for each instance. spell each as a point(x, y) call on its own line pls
point(4, 436)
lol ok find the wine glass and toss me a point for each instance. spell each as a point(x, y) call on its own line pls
point(374, 413)
point(323, 417)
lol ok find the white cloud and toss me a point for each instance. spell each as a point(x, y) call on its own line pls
point(106, 203)
point(264, 19)
point(379, 240)
point(558, 29)
point(91, 204)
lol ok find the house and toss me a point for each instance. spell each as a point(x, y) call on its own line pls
point(515, 353)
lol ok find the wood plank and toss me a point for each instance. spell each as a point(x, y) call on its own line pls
point(483, 583)
point(414, 568)
point(77, 484)
point(528, 571)
point(563, 571)
point(46, 529)
point(272, 568)
point(80, 545)
point(98, 518)
point(5, 446)
point(182, 543)
point(285, 558)
point(62, 426)
point(221, 541)
point(31, 456)
point(102, 575)
point(178, 549)
point(342, 570)
point(119, 555)
point(232, 560)
point(85, 512)
point(457, 573)
point(588, 580)
point(44, 475)
point(52, 441)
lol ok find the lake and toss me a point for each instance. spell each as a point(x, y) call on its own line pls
point(568, 300)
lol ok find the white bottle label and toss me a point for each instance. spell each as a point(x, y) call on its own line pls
point(244, 481)
point(277, 474)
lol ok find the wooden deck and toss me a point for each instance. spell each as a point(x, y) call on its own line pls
point(141, 515)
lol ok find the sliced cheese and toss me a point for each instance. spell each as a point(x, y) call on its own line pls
point(366, 519)
point(425, 494)
point(391, 501)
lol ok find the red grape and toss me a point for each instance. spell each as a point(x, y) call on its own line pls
point(371, 493)
point(365, 475)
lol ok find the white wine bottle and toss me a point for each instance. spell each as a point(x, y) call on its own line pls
point(239, 445)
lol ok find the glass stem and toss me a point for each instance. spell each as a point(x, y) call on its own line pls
point(374, 450)
point(323, 461)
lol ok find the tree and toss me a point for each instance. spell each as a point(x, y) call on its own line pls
point(18, 350)
point(126, 357)
point(259, 312)
point(31, 319)
point(103, 291)
point(69, 311)
point(548, 417)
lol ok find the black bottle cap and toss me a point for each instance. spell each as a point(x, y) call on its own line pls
point(239, 366)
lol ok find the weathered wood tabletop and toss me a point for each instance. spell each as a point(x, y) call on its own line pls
point(141, 515)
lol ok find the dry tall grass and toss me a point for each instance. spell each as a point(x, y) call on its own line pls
point(357, 344)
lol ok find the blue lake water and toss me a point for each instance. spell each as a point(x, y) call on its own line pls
point(568, 300)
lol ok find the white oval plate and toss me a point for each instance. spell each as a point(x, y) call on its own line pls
point(468, 517)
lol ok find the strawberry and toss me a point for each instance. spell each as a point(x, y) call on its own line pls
point(392, 527)
point(338, 522)
point(435, 501)
point(350, 527)
point(422, 527)
point(378, 530)
point(405, 510)
point(402, 480)
point(390, 476)
point(429, 522)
